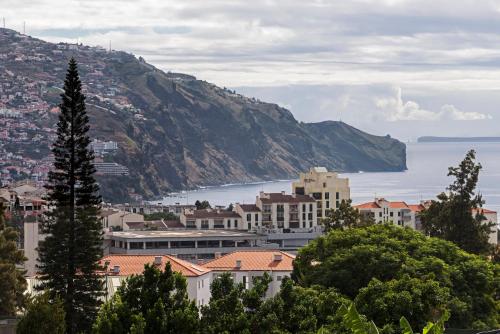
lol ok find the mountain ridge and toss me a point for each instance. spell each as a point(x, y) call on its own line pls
point(176, 132)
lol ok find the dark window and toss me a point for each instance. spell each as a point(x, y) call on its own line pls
point(380, 214)
point(324, 184)
point(327, 195)
point(249, 217)
point(227, 243)
point(256, 217)
point(304, 207)
point(249, 226)
point(310, 207)
point(337, 195)
point(135, 245)
point(299, 191)
point(391, 214)
point(327, 205)
point(204, 224)
point(310, 215)
point(218, 223)
point(317, 196)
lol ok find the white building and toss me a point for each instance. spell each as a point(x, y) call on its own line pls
point(327, 188)
point(251, 215)
point(285, 212)
point(120, 267)
point(210, 219)
point(245, 265)
point(118, 219)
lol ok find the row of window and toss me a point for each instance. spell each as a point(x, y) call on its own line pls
point(180, 244)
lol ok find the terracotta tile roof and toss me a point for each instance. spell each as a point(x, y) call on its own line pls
point(258, 260)
point(416, 207)
point(269, 198)
point(369, 205)
point(210, 213)
point(249, 207)
point(398, 205)
point(134, 264)
point(483, 210)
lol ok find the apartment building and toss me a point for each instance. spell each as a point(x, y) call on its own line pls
point(244, 266)
point(383, 211)
point(210, 219)
point(285, 212)
point(403, 214)
point(251, 215)
point(327, 188)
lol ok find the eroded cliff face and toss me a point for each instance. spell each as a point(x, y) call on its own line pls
point(178, 132)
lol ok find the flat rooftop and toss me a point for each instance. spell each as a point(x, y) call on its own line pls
point(181, 234)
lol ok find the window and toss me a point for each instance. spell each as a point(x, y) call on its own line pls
point(204, 224)
point(249, 226)
point(245, 282)
point(380, 214)
point(303, 216)
point(249, 217)
point(317, 196)
point(324, 184)
point(327, 195)
point(229, 223)
point(310, 207)
point(337, 204)
point(399, 213)
point(135, 245)
point(267, 208)
point(310, 224)
point(310, 216)
point(337, 195)
point(219, 223)
point(391, 214)
point(190, 224)
point(227, 243)
point(304, 207)
point(303, 224)
point(278, 278)
point(256, 217)
point(327, 205)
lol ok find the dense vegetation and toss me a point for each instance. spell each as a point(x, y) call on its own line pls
point(391, 272)
point(12, 282)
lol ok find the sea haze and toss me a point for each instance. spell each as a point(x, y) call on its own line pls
point(426, 177)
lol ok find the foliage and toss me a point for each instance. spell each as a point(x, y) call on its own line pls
point(405, 271)
point(452, 217)
point(345, 216)
point(42, 316)
point(12, 282)
point(358, 324)
point(202, 205)
point(160, 215)
point(154, 302)
point(70, 252)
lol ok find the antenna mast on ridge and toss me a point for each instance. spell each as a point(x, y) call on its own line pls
point(4, 22)
point(24, 27)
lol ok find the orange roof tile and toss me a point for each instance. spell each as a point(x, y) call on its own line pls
point(483, 210)
point(369, 205)
point(258, 260)
point(416, 207)
point(398, 205)
point(134, 264)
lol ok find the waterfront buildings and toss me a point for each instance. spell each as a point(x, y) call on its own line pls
point(327, 188)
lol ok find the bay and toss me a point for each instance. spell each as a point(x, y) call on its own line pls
point(426, 177)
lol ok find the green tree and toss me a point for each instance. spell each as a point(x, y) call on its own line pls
point(70, 252)
point(225, 312)
point(154, 302)
point(346, 216)
point(348, 260)
point(452, 216)
point(42, 316)
point(202, 205)
point(12, 282)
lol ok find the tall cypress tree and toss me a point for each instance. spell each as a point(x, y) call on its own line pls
point(69, 254)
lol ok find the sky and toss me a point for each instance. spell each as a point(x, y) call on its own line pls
point(399, 67)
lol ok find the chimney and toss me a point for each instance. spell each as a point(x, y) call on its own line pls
point(116, 270)
point(158, 260)
point(283, 193)
point(277, 257)
point(238, 264)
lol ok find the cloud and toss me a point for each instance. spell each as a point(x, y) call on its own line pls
point(395, 109)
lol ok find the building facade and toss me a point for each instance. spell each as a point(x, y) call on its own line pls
point(244, 266)
point(327, 188)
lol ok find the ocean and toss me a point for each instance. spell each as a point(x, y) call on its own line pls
point(425, 178)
